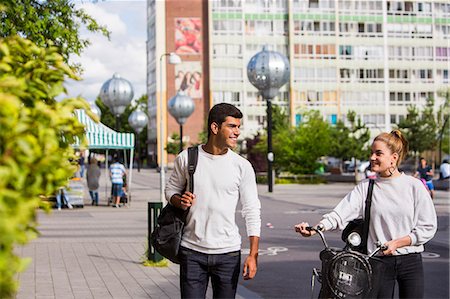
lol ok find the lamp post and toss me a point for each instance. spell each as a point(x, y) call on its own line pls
point(173, 59)
point(116, 94)
point(181, 107)
point(138, 120)
point(268, 71)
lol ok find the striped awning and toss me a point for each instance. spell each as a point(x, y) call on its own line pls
point(100, 136)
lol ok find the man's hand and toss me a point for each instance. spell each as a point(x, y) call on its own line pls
point(250, 267)
point(251, 262)
point(184, 201)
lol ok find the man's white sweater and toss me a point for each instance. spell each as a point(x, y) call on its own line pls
point(220, 181)
point(401, 207)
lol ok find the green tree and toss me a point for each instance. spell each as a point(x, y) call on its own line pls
point(297, 149)
point(36, 132)
point(109, 119)
point(48, 23)
point(420, 128)
point(309, 141)
point(173, 144)
point(350, 141)
point(443, 124)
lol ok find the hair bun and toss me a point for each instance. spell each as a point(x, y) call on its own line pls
point(397, 133)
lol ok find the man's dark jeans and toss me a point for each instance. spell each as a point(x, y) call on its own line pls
point(196, 268)
point(407, 270)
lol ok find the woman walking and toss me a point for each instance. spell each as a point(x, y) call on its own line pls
point(402, 217)
point(92, 176)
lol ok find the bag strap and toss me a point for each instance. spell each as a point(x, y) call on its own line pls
point(192, 165)
point(365, 235)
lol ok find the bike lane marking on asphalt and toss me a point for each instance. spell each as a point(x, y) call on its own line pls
point(430, 255)
point(269, 251)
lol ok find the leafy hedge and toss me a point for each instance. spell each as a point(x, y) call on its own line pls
point(35, 136)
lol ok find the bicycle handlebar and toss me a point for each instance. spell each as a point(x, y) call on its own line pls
point(318, 229)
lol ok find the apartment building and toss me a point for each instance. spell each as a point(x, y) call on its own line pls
point(373, 57)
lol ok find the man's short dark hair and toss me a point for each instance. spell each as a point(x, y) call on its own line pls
point(219, 112)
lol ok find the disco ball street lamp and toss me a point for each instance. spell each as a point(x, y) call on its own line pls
point(116, 94)
point(268, 71)
point(181, 107)
point(138, 120)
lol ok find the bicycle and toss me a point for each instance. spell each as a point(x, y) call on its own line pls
point(347, 273)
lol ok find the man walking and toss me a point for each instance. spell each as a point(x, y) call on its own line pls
point(117, 173)
point(210, 247)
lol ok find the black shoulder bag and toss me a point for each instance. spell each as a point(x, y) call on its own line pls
point(166, 237)
point(361, 226)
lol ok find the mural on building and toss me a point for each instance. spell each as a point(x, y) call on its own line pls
point(188, 78)
point(188, 36)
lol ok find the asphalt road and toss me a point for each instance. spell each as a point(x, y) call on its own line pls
point(286, 259)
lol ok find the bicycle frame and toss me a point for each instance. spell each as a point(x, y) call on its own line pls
point(346, 273)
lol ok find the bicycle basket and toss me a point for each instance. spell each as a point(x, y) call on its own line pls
point(349, 274)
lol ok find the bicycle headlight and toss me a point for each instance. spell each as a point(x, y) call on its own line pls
point(354, 239)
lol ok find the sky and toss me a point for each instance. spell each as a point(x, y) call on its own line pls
point(124, 53)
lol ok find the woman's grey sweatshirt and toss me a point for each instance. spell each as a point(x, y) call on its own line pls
point(401, 207)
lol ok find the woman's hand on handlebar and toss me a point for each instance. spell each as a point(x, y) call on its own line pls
point(305, 229)
point(391, 247)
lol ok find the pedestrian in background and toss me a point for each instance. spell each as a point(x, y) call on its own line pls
point(117, 173)
point(61, 198)
point(425, 172)
point(81, 165)
point(402, 217)
point(92, 176)
point(211, 244)
point(444, 170)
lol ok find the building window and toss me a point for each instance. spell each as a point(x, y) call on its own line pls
point(442, 53)
point(332, 119)
point(230, 97)
point(361, 27)
point(227, 26)
point(298, 119)
point(393, 119)
point(313, 4)
point(227, 74)
point(345, 52)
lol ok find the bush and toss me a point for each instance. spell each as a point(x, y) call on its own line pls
point(36, 132)
point(296, 179)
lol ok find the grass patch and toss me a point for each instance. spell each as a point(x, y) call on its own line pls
point(294, 179)
point(148, 263)
point(161, 264)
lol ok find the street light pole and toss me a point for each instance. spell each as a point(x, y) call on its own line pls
point(181, 138)
point(117, 93)
point(138, 120)
point(181, 107)
point(173, 59)
point(268, 71)
point(269, 146)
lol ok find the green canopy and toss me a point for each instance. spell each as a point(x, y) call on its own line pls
point(100, 136)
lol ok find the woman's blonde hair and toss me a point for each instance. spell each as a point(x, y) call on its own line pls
point(396, 142)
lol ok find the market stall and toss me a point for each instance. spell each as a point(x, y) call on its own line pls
point(100, 136)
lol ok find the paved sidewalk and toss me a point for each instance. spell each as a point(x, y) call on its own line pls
point(96, 252)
